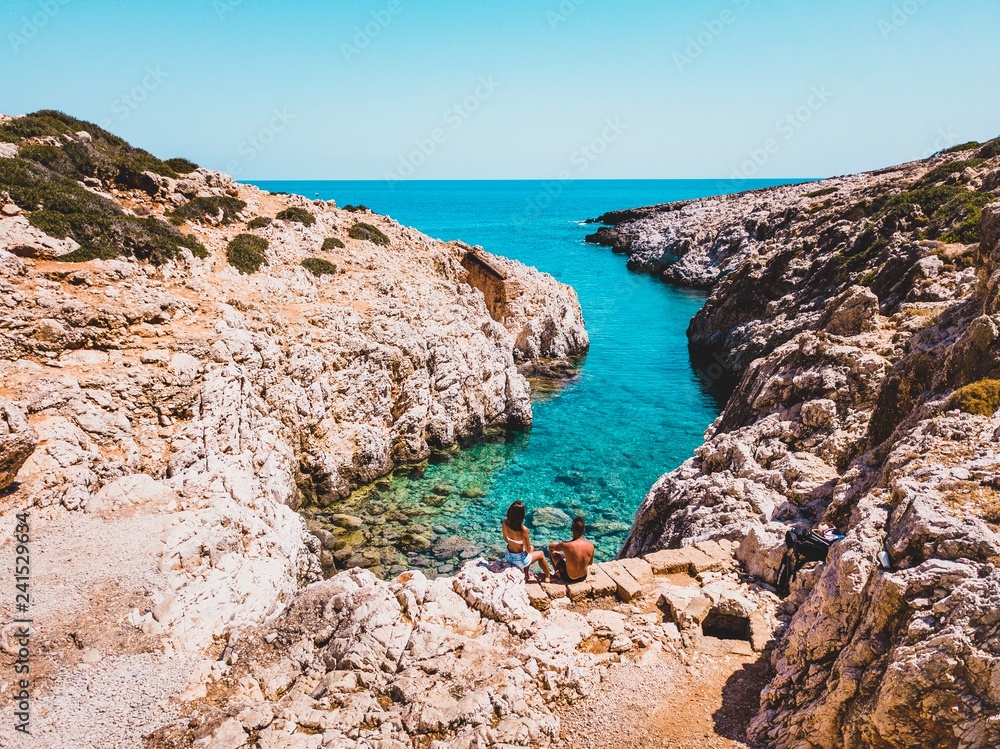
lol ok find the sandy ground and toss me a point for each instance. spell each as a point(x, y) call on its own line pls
point(700, 699)
point(96, 682)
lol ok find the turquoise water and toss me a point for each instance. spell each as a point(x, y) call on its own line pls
point(636, 411)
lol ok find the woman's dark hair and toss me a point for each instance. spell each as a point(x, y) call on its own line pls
point(515, 516)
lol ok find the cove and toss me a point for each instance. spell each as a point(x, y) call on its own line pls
point(598, 443)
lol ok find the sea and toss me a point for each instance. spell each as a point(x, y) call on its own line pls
point(598, 443)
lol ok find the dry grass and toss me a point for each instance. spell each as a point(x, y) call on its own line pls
point(971, 496)
point(982, 398)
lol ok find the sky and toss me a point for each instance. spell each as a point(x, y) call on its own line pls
point(514, 89)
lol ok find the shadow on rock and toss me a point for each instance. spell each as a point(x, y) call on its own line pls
point(741, 699)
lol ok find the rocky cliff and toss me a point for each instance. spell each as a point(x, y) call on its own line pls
point(856, 321)
point(196, 358)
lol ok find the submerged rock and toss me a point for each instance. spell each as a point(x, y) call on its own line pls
point(551, 517)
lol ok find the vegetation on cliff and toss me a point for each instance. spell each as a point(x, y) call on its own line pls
point(221, 209)
point(981, 397)
point(300, 215)
point(245, 252)
point(368, 233)
point(259, 222)
point(44, 180)
point(319, 267)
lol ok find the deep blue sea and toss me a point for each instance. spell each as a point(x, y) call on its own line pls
point(598, 444)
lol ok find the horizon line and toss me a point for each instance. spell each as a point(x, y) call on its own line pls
point(252, 180)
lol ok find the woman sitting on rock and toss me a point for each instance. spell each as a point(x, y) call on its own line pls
point(520, 554)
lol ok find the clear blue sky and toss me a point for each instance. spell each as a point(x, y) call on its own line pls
point(697, 88)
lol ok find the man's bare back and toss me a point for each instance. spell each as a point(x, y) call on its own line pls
point(573, 558)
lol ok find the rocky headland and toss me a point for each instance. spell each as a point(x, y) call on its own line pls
point(185, 362)
point(856, 321)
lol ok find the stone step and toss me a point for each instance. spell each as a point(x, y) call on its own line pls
point(689, 560)
point(628, 579)
point(640, 569)
point(537, 596)
point(597, 585)
point(554, 590)
point(628, 587)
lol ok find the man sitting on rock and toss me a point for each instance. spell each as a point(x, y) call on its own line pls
point(572, 559)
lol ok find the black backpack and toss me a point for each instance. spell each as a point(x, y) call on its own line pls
point(801, 546)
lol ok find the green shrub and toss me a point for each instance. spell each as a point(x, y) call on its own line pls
point(106, 156)
point(57, 205)
point(37, 125)
point(201, 209)
point(368, 233)
point(181, 166)
point(332, 243)
point(990, 150)
point(953, 210)
point(357, 209)
point(981, 398)
point(246, 253)
point(867, 247)
point(295, 213)
point(943, 171)
point(930, 199)
point(821, 193)
point(960, 147)
point(319, 267)
point(963, 213)
point(259, 222)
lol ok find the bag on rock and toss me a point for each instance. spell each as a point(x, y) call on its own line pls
point(802, 546)
point(809, 546)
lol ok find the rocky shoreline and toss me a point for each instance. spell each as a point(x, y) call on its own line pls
point(154, 386)
point(857, 321)
point(166, 406)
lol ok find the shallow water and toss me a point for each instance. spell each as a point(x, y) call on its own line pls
point(636, 411)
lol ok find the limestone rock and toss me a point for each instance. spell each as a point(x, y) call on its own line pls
point(843, 368)
point(501, 597)
point(17, 442)
point(852, 313)
point(19, 237)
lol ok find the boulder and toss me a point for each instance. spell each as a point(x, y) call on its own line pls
point(19, 237)
point(761, 551)
point(627, 587)
point(499, 595)
point(17, 442)
point(853, 312)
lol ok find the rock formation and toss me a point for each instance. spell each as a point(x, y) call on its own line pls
point(189, 405)
point(857, 322)
point(172, 390)
point(458, 661)
point(17, 442)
